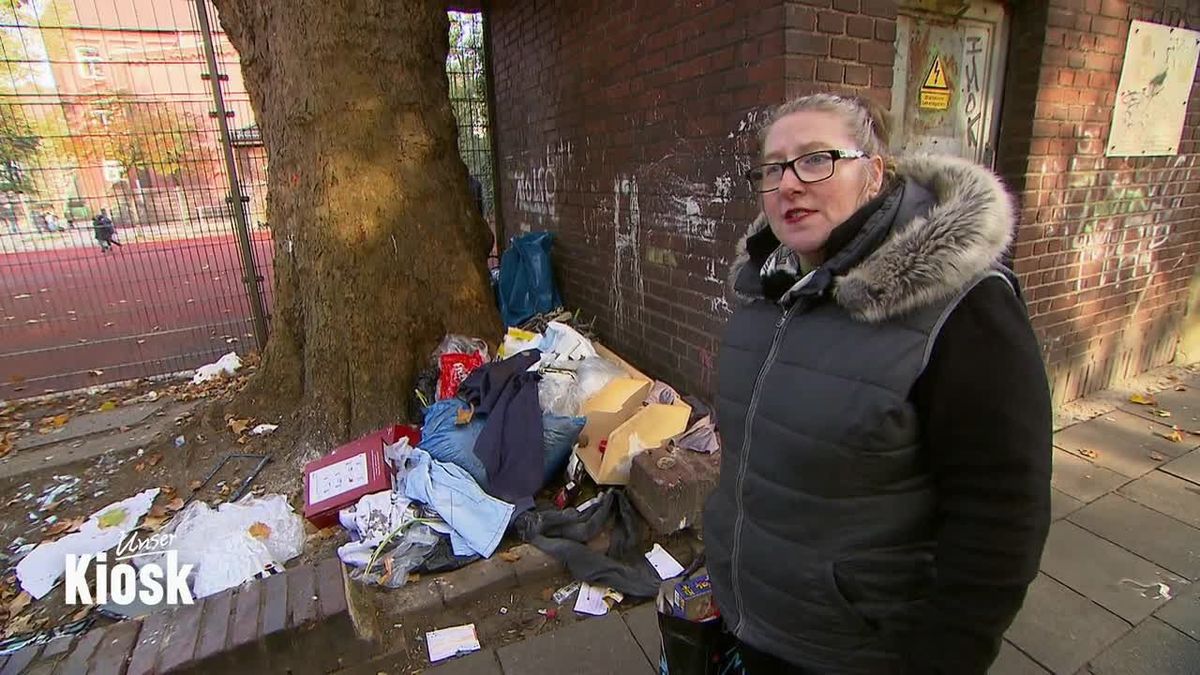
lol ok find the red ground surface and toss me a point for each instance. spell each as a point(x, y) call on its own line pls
point(143, 309)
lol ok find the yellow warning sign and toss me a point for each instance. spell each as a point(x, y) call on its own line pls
point(935, 92)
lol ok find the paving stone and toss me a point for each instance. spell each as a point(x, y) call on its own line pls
point(179, 643)
point(470, 582)
point(1081, 479)
point(1183, 611)
point(91, 424)
point(302, 595)
point(244, 627)
point(1114, 578)
point(1153, 648)
point(1011, 661)
point(1167, 494)
point(18, 662)
point(480, 663)
point(1060, 628)
point(331, 587)
point(599, 646)
point(115, 648)
point(273, 617)
point(535, 565)
point(58, 646)
point(77, 662)
point(1160, 539)
point(1186, 467)
point(1184, 407)
point(643, 623)
point(214, 626)
point(1122, 442)
point(145, 653)
point(1062, 504)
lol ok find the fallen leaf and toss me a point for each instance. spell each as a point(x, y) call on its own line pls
point(175, 504)
point(510, 556)
point(1089, 453)
point(60, 420)
point(61, 527)
point(1174, 436)
point(1162, 413)
point(19, 625)
point(157, 511)
point(81, 614)
point(153, 522)
point(113, 517)
point(154, 460)
point(167, 490)
point(261, 531)
point(1141, 399)
point(19, 603)
point(225, 491)
point(195, 485)
point(1180, 387)
point(139, 467)
point(108, 405)
point(6, 444)
point(238, 426)
point(322, 534)
point(1158, 457)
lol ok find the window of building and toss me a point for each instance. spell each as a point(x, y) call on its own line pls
point(89, 63)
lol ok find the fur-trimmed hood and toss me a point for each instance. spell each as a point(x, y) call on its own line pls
point(927, 256)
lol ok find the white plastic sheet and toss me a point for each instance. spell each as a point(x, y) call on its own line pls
point(226, 365)
point(224, 548)
point(39, 571)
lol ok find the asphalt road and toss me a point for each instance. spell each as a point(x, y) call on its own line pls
point(145, 308)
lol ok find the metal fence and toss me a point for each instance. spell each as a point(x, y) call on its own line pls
point(108, 106)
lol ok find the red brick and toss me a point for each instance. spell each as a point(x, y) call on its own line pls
point(179, 642)
point(214, 626)
point(844, 48)
point(860, 27)
point(831, 22)
point(846, 6)
point(828, 71)
point(806, 43)
point(115, 647)
point(881, 76)
point(885, 30)
point(880, 8)
point(858, 75)
point(801, 18)
point(877, 53)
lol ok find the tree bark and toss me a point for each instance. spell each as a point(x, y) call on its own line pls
point(379, 251)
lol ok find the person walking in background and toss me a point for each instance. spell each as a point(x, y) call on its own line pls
point(105, 231)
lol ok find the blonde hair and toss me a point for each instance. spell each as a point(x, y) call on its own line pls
point(867, 121)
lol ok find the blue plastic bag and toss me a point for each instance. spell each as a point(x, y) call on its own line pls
point(559, 435)
point(527, 279)
point(446, 441)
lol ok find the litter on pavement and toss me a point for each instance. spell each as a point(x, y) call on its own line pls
point(226, 365)
point(40, 571)
point(453, 641)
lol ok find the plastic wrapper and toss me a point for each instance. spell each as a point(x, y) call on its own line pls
point(460, 344)
point(390, 563)
point(234, 542)
point(563, 389)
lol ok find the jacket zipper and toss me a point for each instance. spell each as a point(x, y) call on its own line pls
point(780, 328)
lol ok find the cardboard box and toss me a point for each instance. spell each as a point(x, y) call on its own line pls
point(357, 468)
point(615, 416)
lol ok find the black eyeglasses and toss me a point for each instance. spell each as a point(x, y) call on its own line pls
point(812, 167)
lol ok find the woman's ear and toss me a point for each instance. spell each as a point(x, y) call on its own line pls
point(878, 166)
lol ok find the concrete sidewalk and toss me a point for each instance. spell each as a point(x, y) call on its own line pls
point(1116, 592)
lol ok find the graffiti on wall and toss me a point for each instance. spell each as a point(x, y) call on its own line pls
point(536, 185)
point(627, 262)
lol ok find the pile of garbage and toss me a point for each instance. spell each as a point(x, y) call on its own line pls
point(552, 411)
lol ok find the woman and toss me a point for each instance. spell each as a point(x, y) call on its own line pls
point(884, 493)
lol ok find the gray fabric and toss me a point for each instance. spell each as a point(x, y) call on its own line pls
point(565, 533)
point(820, 533)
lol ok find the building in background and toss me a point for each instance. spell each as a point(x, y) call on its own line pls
point(632, 148)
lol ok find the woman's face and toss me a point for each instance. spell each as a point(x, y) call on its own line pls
point(802, 215)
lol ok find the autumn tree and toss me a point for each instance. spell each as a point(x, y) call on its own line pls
point(379, 251)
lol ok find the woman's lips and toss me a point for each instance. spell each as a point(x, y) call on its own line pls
point(793, 216)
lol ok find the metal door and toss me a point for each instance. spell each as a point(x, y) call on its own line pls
point(949, 73)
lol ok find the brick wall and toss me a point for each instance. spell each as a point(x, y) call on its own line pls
point(625, 126)
point(1106, 246)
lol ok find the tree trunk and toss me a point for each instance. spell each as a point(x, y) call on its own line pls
point(378, 249)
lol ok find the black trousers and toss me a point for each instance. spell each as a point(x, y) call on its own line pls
point(757, 662)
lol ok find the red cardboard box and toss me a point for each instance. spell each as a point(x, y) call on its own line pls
point(357, 468)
